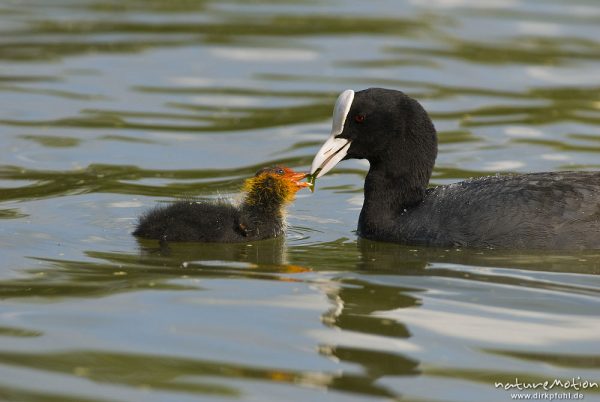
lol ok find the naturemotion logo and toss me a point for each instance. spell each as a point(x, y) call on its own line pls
point(575, 384)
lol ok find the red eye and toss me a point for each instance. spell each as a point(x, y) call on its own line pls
point(359, 118)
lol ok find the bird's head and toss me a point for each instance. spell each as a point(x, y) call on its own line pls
point(273, 186)
point(382, 126)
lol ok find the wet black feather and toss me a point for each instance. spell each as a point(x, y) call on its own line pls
point(557, 210)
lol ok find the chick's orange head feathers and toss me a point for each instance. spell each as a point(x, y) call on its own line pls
point(278, 181)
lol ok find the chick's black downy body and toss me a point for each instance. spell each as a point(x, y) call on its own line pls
point(212, 221)
point(261, 214)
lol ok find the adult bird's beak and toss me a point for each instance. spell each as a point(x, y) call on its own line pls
point(334, 149)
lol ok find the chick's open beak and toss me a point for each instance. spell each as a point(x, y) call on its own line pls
point(334, 149)
point(295, 177)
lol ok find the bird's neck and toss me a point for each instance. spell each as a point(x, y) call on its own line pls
point(259, 203)
point(266, 195)
point(262, 214)
point(389, 192)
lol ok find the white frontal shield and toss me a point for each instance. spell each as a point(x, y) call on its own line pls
point(334, 149)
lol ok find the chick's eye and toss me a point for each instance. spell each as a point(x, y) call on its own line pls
point(359, 118)
point(279, 171)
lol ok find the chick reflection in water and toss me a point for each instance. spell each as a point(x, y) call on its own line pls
point(268, 256)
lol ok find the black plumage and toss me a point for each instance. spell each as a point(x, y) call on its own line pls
point(557, 210)
point(260, 215)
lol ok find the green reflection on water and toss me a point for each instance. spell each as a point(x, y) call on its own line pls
point(558, 145)
point(19, 332)
point(212, 118)
point(9, 393)
point(519, 49)
point(53, 141)
point(277, 25)
point(547, 105)
point(132, 370)
point(50, 92)
point(27, 78)
point(124, 138)
point(556, 359)
point(121, 179)
point(11, 213)
point(154, 267)
point(151, 6)
point(27, 47)
point(198, 376)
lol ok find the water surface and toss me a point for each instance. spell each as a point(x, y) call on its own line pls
point(109, 107)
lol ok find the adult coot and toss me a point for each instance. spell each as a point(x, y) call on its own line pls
point(558, 210)
point(261, 214)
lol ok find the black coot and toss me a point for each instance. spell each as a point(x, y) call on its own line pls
point(261, 214)
point(559, 210)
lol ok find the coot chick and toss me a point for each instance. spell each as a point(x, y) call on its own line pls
point(559, 210)
point(261, 214)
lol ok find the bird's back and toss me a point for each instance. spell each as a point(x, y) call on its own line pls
point(539, 210)
point(216, 221)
